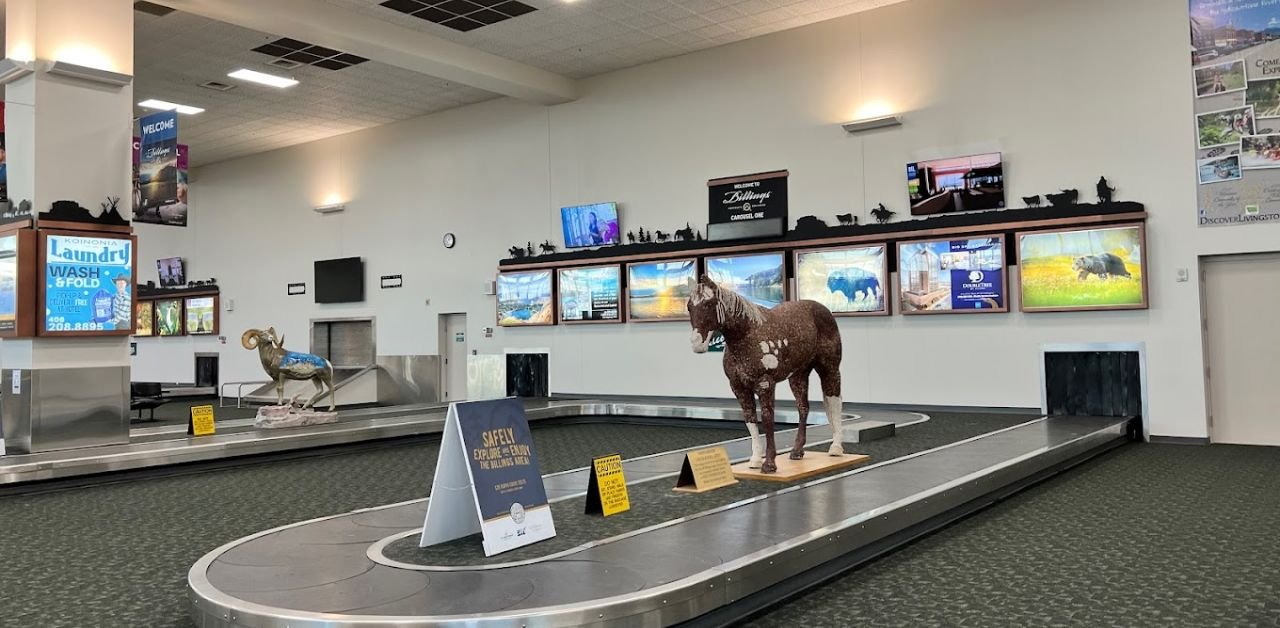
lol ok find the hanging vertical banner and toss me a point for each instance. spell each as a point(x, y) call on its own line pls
point(158, 194)
point(1235, 62)
point(137, 190)
point(4, 165)
point(487, 479)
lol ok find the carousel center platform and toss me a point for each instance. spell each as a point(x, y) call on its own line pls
point(708, 568)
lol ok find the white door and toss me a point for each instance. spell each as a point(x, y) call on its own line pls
point(453, 348)
point(1241, 296)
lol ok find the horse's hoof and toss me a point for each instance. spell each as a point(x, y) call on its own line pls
point(797, 455)
point(754, 463)
point(836, 450)
point(769, 467)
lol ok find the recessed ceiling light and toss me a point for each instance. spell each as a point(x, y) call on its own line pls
point(164, 105)
point(262, 78)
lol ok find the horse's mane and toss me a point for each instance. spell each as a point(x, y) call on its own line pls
point(732, 304)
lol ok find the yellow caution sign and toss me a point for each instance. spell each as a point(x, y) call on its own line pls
point(607, 489)
point(201, 423)
point(705, 470)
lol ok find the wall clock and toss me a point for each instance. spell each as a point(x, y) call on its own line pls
point(450, 240)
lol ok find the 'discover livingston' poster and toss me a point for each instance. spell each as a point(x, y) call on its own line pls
point(1236, 69)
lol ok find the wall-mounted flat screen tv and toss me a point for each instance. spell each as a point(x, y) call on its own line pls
point(526, 298)
point(202, 315)
point(590, 225)
point(659, 291)
point(849, 281)
point(172, 271)
point(144, 318)
point(590, 295)
point(168, 317)
point(959, 184)
point(952, 276)
point(1103, 268)
point(340, 280)
point(88, 284)
point(761, 278)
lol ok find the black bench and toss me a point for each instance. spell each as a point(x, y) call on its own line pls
point(146, 396)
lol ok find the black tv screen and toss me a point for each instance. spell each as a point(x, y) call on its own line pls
point(960, 184)
point(340, 280)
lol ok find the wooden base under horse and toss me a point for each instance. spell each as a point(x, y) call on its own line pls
point(764, 347)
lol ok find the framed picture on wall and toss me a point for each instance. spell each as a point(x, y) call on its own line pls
point(144, 318)
point(952, 276)
point(168, 317)
point(659, 291)
point(1100, 268)
point(849, 281)
point(590, 295)
point(526, 298)
point(201, 314)
point(18, 260)
point(761, 277)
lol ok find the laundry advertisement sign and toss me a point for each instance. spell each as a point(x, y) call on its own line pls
point(88, 284)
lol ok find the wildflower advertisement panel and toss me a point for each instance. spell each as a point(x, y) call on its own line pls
point(87, 284)
point(1235, 62)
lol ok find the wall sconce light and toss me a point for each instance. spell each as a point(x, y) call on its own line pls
point(867, 124)
point(12, 70)
point(330, 209)
point(92, 75)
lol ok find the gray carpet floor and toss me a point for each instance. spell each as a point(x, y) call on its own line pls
point(1148, 535)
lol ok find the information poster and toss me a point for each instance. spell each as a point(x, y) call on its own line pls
point(1235, 62)
point(940, 276)
point(88, 284)
point(487, 477)
point(200, 313)
point(8, 282)
point(591, 295)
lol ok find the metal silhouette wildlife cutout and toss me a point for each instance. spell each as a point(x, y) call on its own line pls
point(764, 347)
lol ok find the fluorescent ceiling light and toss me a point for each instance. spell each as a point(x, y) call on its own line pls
point(262, 78)
point(164, 105)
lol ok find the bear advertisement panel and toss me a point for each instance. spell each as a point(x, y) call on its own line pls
point(1083, 269)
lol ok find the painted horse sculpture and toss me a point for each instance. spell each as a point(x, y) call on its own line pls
point(282, 365)
point(764, 347)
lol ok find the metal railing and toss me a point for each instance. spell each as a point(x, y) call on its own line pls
point(222, 389)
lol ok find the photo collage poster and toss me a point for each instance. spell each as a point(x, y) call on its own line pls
point(1236, 68)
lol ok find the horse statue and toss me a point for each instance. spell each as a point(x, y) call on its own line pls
point(282, 365)
point(764, 347)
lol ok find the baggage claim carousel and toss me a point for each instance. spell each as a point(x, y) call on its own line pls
point(708, 568)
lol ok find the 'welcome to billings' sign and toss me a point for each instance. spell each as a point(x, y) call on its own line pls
point(88, 284)
point(749, 197)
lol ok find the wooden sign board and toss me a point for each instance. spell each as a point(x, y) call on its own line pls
point(705, 470)
point(607, 488)
point(201, 423)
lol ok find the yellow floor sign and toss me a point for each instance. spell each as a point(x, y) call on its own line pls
point(607, 488)
point(201, 423)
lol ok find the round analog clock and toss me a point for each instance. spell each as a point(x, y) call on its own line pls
point(450, 240)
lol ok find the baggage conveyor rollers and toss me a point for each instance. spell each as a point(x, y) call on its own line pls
point(708, 567)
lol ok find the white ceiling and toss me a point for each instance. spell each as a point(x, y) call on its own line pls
point(177, 52)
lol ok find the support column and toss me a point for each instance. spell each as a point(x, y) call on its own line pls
point(67, 138)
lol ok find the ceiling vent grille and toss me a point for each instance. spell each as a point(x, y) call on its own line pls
point(218, 86)
point(461, 15)
point(292, 53)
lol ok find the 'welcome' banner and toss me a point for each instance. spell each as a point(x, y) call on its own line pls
point(157, 165)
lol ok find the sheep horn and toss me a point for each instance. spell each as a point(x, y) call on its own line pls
point(249, 335)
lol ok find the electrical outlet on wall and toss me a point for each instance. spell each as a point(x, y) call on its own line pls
point(1183, 275)
point(231, 305)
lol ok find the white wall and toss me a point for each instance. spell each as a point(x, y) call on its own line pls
point(1067, 90)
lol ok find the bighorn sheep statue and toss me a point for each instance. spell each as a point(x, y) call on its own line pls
point(283, 365)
